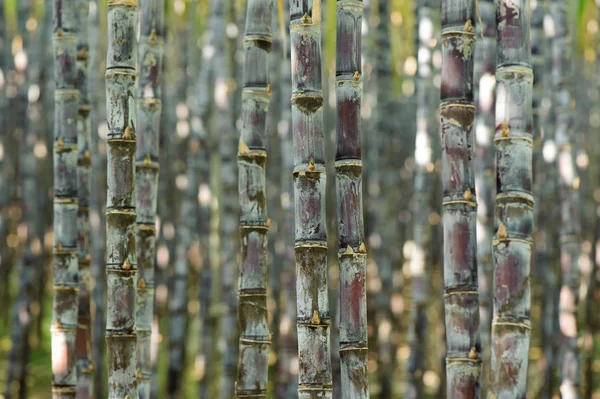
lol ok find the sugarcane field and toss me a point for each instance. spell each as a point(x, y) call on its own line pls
point(300, 199)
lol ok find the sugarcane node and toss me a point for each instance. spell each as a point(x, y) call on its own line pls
point(91, 368)
point(268, 223)
point(268, 89)
point(505, 129)
point(362, 248)
point(59, 32)
point(243, 149)
point(127, 133)
point(316, 320)
point(473, 353)
point(126, 264)
point(152, 37)
point(306, 19)
point(311, 165)
point(87, 158)
point(468, 195)
point(59, 143)
point(82, 55)
point(88, 258)
point(501, 231)
point(59, 246)
point(356, 76)
point(348, 251)
point(142, 284)
point(469, 26)
point(147, 160)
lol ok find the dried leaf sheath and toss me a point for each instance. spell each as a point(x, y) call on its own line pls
point(313, 316)
point(568, 183)
point(121, 259)
point(457, 112)
point(148, 113)
point(348, 166)
point(255, 338)
point(512, 244)
point(66, 285)
point(83, 339)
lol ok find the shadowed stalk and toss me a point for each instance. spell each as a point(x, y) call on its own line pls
point(485, 82)
point(83, 339)
point(255, 339)
point(313, 316)
point(66, 285)
point(457, 113)
point(148, 113)
point(352, 251)
point(568, 183)
point(288, 346)
point(121, 259)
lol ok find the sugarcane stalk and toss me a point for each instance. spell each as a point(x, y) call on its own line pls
point(568, 183)
point(313, 316)
point(485, 82)
point(512, 242)
point(457, 112)
point(66, 285)
point(121, 262)
point(255, 338)
point(352, 251)
point(83, 338)
point(148, 113)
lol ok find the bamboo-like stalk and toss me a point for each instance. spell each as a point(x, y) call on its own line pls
point(184, 215)
point(66, 286)
point(313, 316)
point(352, 251)
point(83, 338)
point(485, 69)
point(288, 348)
point(148, 113)
point(121, 262)
point(422, 201)
point(457, 112)
point(255, 339)
point(512, 243)
point(568, 181)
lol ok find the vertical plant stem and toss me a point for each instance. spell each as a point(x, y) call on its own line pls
point(288, 349)
point(485, 82)
point(568, 182)
point(121, 262)
point(457, 113)
point(83, 339)
point(513, 208)
point(352, 251)
point(66, 285)
point(148, 113)
point(255, 339)
point(313, 316)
